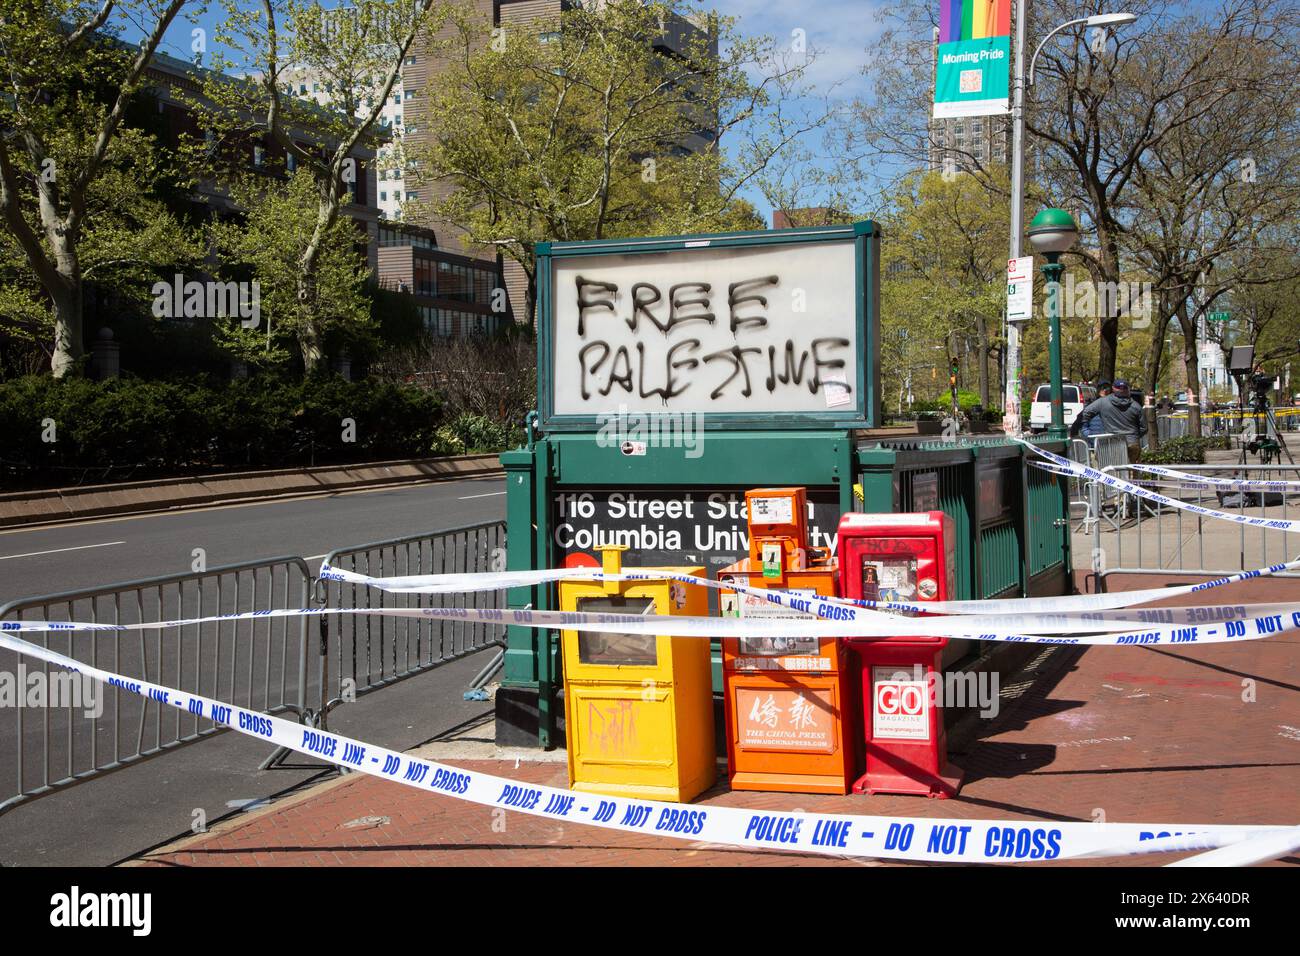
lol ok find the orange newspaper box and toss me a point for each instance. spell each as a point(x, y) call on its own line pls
point(789, 702)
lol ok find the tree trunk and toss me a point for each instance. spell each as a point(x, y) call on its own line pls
point(1107, 271)
point(1192, 367)
point(69, 352)
point(531, 294)
point(1155, 365)
point(309, 343)
point(982, 347)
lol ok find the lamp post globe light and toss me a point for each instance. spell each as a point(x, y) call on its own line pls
point(1052, 232)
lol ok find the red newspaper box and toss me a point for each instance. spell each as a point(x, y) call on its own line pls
point(907, 558)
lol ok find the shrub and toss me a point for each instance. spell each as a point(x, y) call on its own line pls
point(1184, 450)
point(129, 427)
point(480, 433)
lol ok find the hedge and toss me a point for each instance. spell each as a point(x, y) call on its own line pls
point(129, 427)
point(1183, 450)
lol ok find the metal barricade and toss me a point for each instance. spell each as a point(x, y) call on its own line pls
point(1081, 453)
point(367, 652)
point(90, 730)
point(1165, 539)
point(1172, 426)
point(1110, 451)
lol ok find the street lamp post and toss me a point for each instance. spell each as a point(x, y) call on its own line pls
point(1012, 397)
point(1052, 232)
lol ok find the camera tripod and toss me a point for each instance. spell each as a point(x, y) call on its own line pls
point(1271, 444)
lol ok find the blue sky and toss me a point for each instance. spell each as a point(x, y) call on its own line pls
point(839, 30)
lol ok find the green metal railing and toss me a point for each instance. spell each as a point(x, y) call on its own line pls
point(1008, 515)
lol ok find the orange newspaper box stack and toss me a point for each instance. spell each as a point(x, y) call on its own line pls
point(789, 701)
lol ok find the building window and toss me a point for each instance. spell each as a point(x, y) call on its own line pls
point(383, 196)
point(259, 156)
point(410, 61)
point(412, 197)
point(397, 99)
point(408, 94)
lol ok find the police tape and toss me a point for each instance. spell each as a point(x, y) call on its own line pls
point(1233, 484)
point(1072, 468)
point(916, 839)
point(1258, 849)
point(1167, 478)
point(499, 580)
point(1169, 625)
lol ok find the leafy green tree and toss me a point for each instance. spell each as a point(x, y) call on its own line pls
point(944, 267)
point(74, 177)
point(590, 127)
point(267, 242)
point(356, 53)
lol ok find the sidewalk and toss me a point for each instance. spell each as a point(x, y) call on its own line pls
point(1141, 734)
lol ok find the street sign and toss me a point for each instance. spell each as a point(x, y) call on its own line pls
point(1020, 289)
point(1219, 316)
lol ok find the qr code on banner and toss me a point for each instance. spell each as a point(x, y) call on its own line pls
point(972, 81)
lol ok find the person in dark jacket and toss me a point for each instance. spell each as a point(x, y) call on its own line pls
point(1117, 414)
point(1094, 426)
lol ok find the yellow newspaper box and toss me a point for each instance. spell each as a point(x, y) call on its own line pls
point(639, 708)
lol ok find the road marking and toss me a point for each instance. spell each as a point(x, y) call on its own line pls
point(491, 494)
point(261, 502)
point(80, 547)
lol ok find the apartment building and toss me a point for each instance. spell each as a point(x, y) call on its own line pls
point(176, 83)
point(391, 188)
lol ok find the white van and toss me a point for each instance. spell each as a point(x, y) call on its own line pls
point(1074, 398)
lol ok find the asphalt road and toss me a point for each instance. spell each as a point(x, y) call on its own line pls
point(105, 820)
point(93, 553)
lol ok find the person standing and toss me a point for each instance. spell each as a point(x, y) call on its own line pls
point(1117, 414)
point(1093, 427)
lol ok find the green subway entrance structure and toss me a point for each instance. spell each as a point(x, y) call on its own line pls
point(676, 372)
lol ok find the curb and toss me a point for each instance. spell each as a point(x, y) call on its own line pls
point(55, 505)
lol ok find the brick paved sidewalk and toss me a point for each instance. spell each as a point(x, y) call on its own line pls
point(1141, 734)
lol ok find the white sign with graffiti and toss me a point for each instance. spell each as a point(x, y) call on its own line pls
point(768, 329)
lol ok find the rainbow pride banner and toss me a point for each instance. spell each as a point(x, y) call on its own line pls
point(973, 59)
